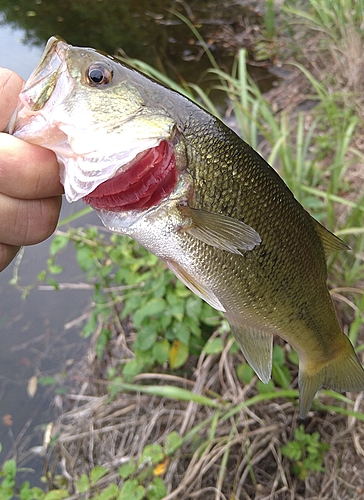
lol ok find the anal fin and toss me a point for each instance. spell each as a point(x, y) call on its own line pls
point(257, 347)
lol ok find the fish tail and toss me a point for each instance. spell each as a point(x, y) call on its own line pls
point(341, 373)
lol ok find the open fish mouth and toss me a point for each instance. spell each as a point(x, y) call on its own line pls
point(43, 81)
point(96, 133)
point(29, 119)
point(148, 179)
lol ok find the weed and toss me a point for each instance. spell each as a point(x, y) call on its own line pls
point(306, 452)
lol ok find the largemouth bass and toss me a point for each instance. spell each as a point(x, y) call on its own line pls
point(157, 167)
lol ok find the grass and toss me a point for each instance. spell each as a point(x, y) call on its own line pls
point(169, 408)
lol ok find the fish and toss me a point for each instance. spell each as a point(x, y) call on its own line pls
point(159, 168)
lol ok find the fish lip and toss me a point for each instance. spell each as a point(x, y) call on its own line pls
point(38, 89)
point(33, 113)
point(45, 75)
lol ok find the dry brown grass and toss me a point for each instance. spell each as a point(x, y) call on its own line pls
point(240, 458)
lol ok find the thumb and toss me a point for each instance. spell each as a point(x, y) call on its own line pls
point(10, 88)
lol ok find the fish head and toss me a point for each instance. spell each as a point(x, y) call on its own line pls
point(97, 116)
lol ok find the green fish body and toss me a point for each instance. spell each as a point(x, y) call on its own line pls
point(160, 169)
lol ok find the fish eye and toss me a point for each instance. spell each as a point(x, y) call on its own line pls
point(98, 74)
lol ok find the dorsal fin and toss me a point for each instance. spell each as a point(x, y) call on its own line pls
point(330, 242)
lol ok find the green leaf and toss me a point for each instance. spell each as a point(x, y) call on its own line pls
point(245, 373)
point(153, 307)
point(53, 283)
point(146, 338)
point(264, 388)
point(133, 368)
point(210, 316)
point(127, 469)
point(152, 454)
point(55, 269)
point(57, 243)
point(97, 473)
point(182, 332)
point(42, 275)
point(214, 346)
point(6, 493)
point(176, 306)
point(131, 490)
point(156, 489)
point(102, 341)
point(56, 495)
point(293, 357)
point(85, 258)
point(27, 493)
point(160, 351)
point(90, 326)
point(47, 381)
point(278, 355)
point(194, 308)
point(178, 354)
point(83, 484)
point(172, 442)
point(181, 290)
point(234, 347)
point(9, 468)
point(109, 493)
point(281, 375)
point(132, 303)
point(292, 450)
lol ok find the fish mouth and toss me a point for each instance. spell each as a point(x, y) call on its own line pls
point(28, 121)
point(147, 180)
point(116, 164)
point(43, 80)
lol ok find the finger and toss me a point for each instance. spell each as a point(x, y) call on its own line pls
point(26, 222)
point(7, 254)
point(27, 171)
point(10, 87)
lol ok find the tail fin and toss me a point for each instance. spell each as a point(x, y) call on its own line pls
point(343, 373)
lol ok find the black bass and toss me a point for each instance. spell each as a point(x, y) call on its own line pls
point(160, 169)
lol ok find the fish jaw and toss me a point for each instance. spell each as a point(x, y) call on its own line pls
point(60, 110)
point(42, 92)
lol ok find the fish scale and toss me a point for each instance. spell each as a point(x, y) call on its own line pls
point(227, 225)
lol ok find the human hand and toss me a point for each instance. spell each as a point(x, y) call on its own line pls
point(30, 190)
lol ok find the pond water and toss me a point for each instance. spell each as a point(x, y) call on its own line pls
point(34, 337)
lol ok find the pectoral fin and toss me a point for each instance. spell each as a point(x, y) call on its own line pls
point(195, 286)
point(257, 348)
point(221, 231)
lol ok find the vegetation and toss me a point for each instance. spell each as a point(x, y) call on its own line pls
point(170, 408)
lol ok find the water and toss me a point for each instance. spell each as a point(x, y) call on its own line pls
point(33, 337)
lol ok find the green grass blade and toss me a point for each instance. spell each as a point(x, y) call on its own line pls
point(166, 391)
